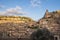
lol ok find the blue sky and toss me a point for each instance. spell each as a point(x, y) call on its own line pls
point(34, 9)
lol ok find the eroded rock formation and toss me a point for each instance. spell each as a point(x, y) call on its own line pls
point(51, 21)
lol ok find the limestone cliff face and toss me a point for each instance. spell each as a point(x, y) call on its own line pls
point(51, 21)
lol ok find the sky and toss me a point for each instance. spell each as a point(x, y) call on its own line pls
point(34, 9)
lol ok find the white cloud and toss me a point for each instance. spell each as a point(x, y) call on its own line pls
point(13, 11)
point(35, 3)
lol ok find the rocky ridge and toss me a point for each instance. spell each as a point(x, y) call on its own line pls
point(51, 21)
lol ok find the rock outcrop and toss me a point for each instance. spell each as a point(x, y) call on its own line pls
point(51, 21)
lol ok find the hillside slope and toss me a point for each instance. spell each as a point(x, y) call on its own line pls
point(16, 26)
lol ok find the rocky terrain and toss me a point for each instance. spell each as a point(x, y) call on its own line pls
point(16, 27)
point(23, 27)
point(51, 21)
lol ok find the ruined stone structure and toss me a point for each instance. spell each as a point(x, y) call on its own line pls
point(51, 21)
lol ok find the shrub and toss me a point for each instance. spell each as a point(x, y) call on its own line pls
point(42, 34)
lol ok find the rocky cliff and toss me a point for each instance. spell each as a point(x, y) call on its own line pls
point(51, 21)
